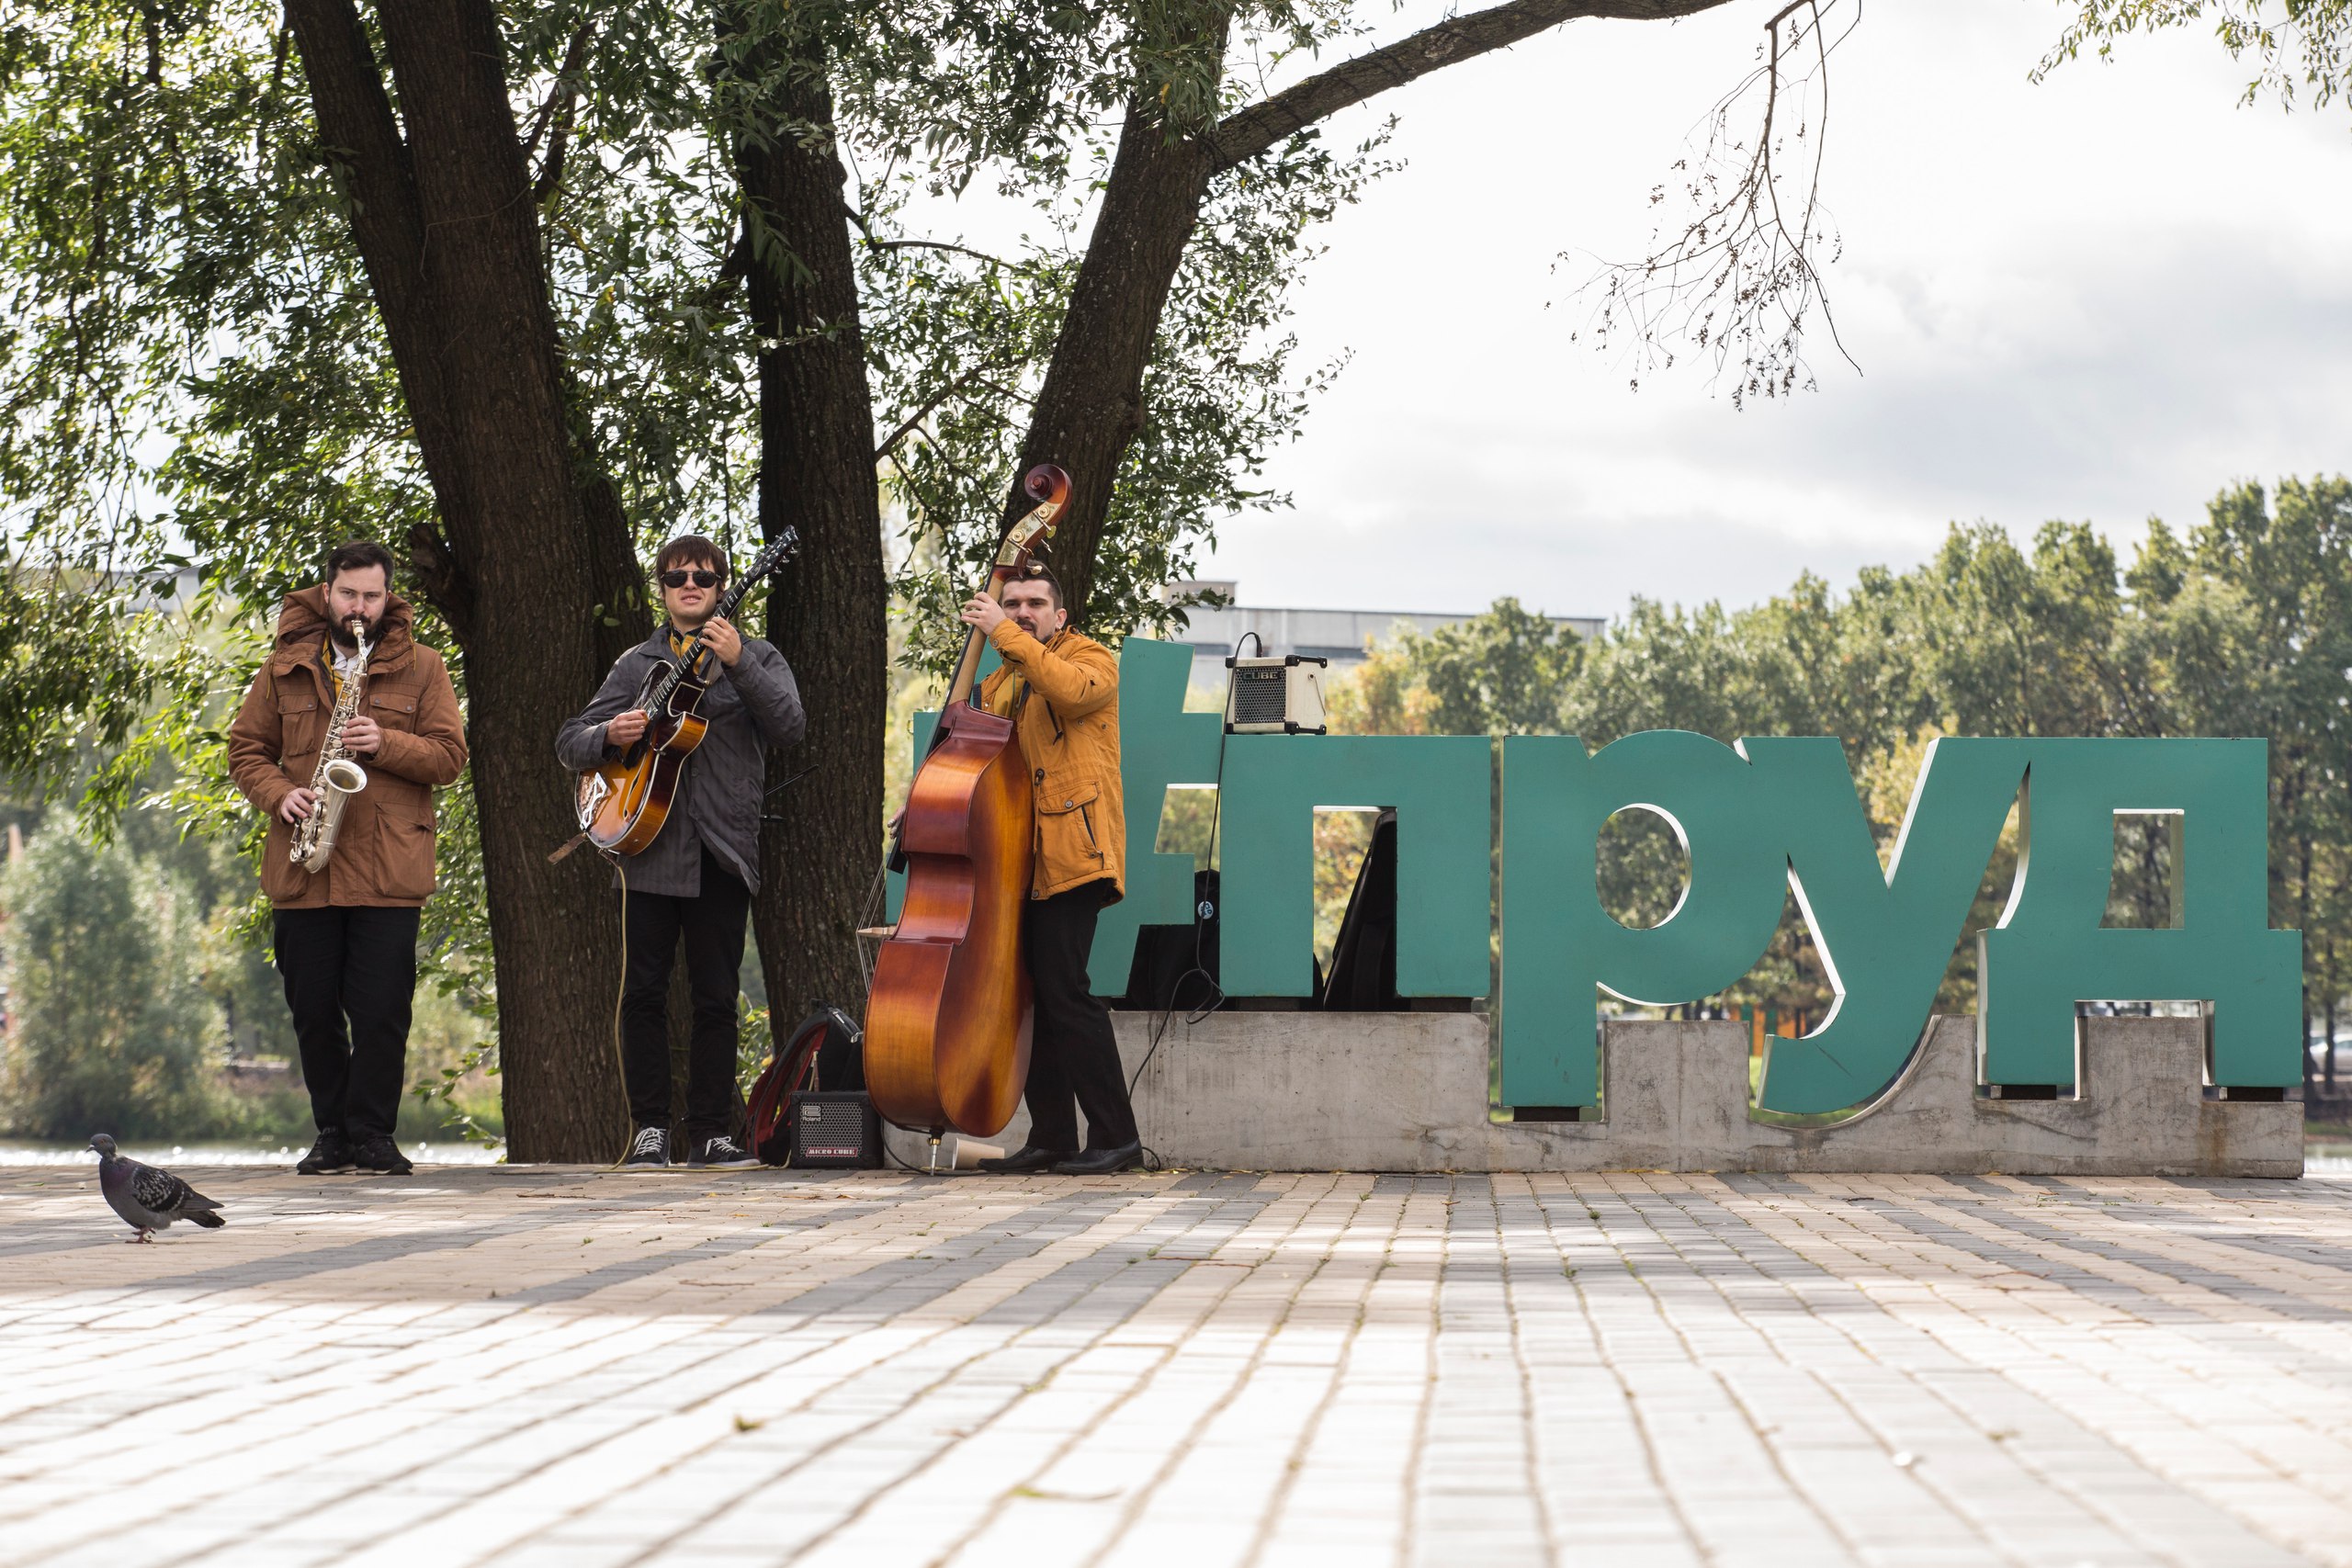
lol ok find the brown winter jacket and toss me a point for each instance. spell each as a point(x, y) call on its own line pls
point(1069, 727)
point(383, 851)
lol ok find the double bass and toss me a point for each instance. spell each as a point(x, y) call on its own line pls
point(949, 1019)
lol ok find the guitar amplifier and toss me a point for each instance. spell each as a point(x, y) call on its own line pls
point(1275, 696)
point(835, 1130)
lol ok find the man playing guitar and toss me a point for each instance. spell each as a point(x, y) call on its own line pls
point(1062, 691)
point(697, 877)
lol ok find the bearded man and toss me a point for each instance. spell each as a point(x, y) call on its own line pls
point(1061, 689)
point(345, 934)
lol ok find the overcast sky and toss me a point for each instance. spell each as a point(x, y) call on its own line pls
point(2100, 297)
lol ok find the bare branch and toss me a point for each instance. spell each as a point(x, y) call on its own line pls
point(1252, 131)
point(1743, 275)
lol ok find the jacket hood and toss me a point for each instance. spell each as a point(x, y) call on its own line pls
point(302, 620)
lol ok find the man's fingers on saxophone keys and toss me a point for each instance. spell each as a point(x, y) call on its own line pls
point(298, 804)
point(360, 736)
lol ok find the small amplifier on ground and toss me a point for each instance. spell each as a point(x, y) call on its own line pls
point(1275, 696)
point(835, 1130)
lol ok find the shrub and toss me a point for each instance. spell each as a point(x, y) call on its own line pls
point(111, 1030)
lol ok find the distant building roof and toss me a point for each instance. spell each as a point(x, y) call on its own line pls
point(1338, 636)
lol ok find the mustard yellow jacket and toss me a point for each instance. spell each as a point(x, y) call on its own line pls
point(1066, 693)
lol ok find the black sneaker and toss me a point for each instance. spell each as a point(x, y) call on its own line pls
point(650, 1147)
point(378, 1154)
point(721, 1154)
point(330, 1156)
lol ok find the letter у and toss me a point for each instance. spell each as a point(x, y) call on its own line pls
point(1884, 938)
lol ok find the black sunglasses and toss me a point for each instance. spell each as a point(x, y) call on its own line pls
point(701, 578)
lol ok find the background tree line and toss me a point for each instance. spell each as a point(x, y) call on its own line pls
point(2241, 628)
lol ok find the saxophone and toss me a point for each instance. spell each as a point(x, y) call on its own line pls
point(337, 778)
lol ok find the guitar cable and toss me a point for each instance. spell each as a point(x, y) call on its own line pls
point(1216, 997)
point(620, 994)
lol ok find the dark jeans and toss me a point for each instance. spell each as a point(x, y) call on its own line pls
point(712, 924)
point(1073, 1057)
point(360, 965)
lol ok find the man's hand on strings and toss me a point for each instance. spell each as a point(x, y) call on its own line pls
point(983, 612)
point(624, 731)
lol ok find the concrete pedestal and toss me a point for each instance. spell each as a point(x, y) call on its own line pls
point(1410, 1092)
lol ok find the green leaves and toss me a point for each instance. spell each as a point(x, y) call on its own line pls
point(2299, 44)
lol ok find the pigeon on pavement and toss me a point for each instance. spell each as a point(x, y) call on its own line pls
point(148, 1199)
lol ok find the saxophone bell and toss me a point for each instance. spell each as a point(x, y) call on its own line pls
point(340, 780)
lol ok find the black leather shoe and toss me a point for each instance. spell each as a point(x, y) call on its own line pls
point(1025, 1158)
point(1101, 1162)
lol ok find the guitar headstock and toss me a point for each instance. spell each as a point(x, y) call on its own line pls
point(773, 554)
point(1048, 486)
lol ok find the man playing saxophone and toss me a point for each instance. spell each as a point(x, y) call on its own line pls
point(345, 931)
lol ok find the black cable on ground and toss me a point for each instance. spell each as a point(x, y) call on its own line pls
point(1216, 997)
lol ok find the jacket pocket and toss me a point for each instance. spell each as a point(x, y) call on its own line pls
point(404, 853)
point(1068, 848)
point(281, 879)
point(394, 710)
point(302, 730)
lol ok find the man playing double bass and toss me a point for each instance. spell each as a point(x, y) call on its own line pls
point(1062, 691)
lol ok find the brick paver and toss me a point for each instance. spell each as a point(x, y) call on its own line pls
point(539, 1366)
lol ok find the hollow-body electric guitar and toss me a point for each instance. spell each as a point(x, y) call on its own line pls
point(623, 804)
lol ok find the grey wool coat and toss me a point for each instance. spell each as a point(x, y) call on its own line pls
point(750, 707)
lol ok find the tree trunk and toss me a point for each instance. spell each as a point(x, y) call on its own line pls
point(1091, 406)
point(827, 611)
point(444, 222)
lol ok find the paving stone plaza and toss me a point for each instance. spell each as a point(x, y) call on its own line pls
point(541, 1366)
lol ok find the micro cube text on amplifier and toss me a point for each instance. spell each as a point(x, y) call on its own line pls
point(835, 1129)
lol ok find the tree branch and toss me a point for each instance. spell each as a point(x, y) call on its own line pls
point(565, 87)
point(563, 101)
point(359, 136)
point(914, 421)
point(1252, 131)
point(872, 244)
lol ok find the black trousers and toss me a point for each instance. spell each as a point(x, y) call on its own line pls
point(712, 924)
point(358, 965)
point(1073, 1057)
